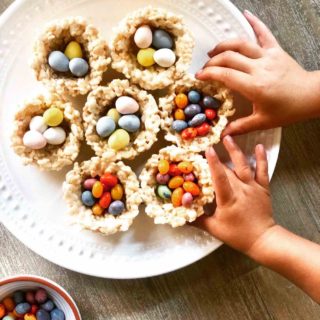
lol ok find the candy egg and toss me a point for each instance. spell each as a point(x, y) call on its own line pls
point(22, 308)
point(179, 125)
point(174, 170)
point(185, 167)
point(97, 210)
point(162, 178)
point(189, 177)
point(175, 182)
point(34, 309)
point(41, 295)
point(87, 198)
point(48, 305)
point(194, 96)
point(189, 133)
point(79, 67)
point(73, 50)
point(126, 105)
point(2, 310)
point(109, 181)
point(8, 317)
point(116, 207)
point(176, 197)
point(57, 314)
point(179, 115)
point(43, 315)
point(191, 110)
point(197, 120)
point(105, 126)
point(88, 183)
point(164, 57)
point(187, 199)
point(34, 140)
point(162, 39)
point(191, 187)
point(210, 102)
point(37, 123)
point(130, 122)
point(18, 296)
point(58, 61)
point(29, 316)
point(53, 117)
point(55, 136)
point(145, 57)
point(114, 114)
point(203, 129)
point(117, 192)
point(97, 189)
point(163, 166)
point(119, 139)
point(30, 297)
point(164, 192)
point(105, 200)
point(181, 100)
point(143, 37)
point(211, 114)
point(8, 303)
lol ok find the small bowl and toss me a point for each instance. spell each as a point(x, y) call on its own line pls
point(59, 296)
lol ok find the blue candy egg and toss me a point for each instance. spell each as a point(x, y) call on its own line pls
point(79, 67)
point(211, 103)
point(58, 61)
point(116, 207)
point(161, 39)
point(179, 125)
point(57, 314)
point(129, 122)
point(105, 126)
point(43, 315)
point(48, 305)
point(194, 96)
point(18, 297)
point(87, 198)
point(191, 110)
point(197, 120)
point(23, 308)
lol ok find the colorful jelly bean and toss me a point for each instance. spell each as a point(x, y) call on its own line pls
point(179, 125)
point(197, 120)
point(43, 315)
point(210, 102)
point(97, 189)
point(105, 200)
point(34, 309)
point(163, 166)
point(116, 208)
point(109, 180)
point(30, 297)
point(187, 199)
point(57, 314)
point(164, 192)
point(22, 308)
point(9, 317)
point(8, 303)
point(211, 114)
point(162, 178)
point(2, 310)
point(88, 183)
point(175, 182)
point(194, 96)
point(48, 305)
point(185, 167)
point(174, 170)
point(97, 210)
point(203, 129)
point(191, 187)
point(181, 100)
point(29, 316)
point(189, 133)
point(41, 295)
point(87, 198)
point(18, 297)
point(191, 110)
point(117, 192)
point(189, 177)
point(176, 197)
point(179, 114)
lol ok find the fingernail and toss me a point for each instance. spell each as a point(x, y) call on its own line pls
point(211, 152)
point(228, 138)
point(199, 72)
point(248, 12)
point(260, 147)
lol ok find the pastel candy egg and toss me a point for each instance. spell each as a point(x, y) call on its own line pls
point(162, 39)
point(197, 120)
point(22, 308)
point(18, 296)
point(88, 183)
point(194, 96)
point(37, 123)
point(73, 50)
point(53, 117)
point(164, 192)
point(162, 178)
point(87, 198)
point(8, 318)
point(79, 67)
point(34, 140)
point(130, 122)
point(187, 199)
point(189, 177)
point(119, 139)
point(145, 57)
point(143, 37)
point(58, 61)
point(126, 105)
point(29, 316)
point(114, 114)
point(57, 314)
point(164, 57)
point(117, 192)
point(191, 110)
point(97, 189)
point(48, 305)
point(55, 136)
point(105, 126)
point(176, 197)
point(41, 295)
point(210, 102)
point(43, 315)
point(116, 207)
point(2, 310)
point(179, 125)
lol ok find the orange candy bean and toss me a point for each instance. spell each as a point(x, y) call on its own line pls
point(176, 197)
point(8, 303)
point(97, 210)
point(174, 170)
point(163, 166)
point(29, 316)
point(175, 182)
point(117, 192)
point(181, 100)
point(191, 187)
point(97, 189)
point(185, 167)
point(179, 114)
point(189, 133)
point(2, 311)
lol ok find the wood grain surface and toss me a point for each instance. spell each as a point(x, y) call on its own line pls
point(226, 284)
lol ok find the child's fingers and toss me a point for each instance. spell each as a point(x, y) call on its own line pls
point(245, 47)
point(264, 35)
point(219, 177)
point(261, 175)
point(231, 59)
point(241, 166)
point(242, 126)
point(234, 79)
point(205, 223)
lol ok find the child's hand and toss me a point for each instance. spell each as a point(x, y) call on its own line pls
point(244, 211)
point(282, 92)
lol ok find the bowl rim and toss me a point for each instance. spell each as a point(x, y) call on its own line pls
point(49, 283)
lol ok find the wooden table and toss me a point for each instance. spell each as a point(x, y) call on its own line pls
point(226, 284)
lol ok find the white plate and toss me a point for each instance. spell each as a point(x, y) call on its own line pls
point(31, 204)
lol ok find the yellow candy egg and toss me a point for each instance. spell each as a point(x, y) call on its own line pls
point(119, 139)
point(73, 50)
point(117, 192)
point(53, 117)
point(185, 167)
point(97, 189)
point(163, 166)
point(145, 57)
point(114, 114)
point(179, 114)
point(97, 210)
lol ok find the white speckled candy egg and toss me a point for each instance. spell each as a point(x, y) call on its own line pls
point(164, 57)
point(143, 37)
point(37, 124)
point(55, 135)
point(127, 105)
point(34, 140)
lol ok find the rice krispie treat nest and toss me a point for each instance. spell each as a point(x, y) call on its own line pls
point(165, 212)
point(213, 88)
point(56, 36)
point(124, 55)
point(82, 215)
point(51, 157)
point(102, 99)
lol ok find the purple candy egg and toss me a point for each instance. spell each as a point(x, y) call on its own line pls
point(187, 199)
point(41, 295)
point(189, 177)
point(163, 178)
point(88, 183)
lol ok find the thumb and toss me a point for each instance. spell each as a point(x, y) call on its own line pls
point(242, 125)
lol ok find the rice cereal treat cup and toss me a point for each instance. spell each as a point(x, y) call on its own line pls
point(176, 195)
point(102, 196)
point(195, 113)
point(47, 133)
point(120, 120)
point(70, 57)
point(152, 47)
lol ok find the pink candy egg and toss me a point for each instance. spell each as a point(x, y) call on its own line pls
point(187, 199)
point(88, 183)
